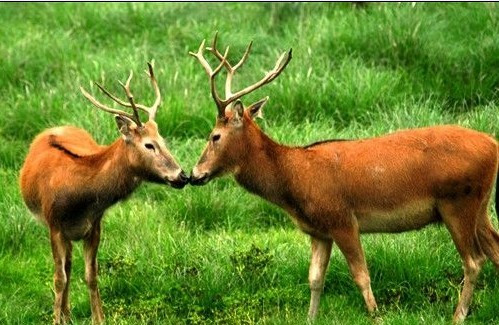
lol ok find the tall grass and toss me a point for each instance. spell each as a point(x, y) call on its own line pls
point(217, 254)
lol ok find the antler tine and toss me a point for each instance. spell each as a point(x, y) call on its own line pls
point(154, 108)
point(129, 95)
point(279, 67)
point(271, 75)
point(220, 103)
point(151, 111)
point(213, 49)
point(117, 100)
point(199, 55)
point(103, 107)
point(230, 75)
point(212, 74)
point(231, 69)
point(222, 63)
point(245, 56)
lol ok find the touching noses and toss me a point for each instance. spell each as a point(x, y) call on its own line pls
point(198, 178)
point(181, 180)
point(183, 177)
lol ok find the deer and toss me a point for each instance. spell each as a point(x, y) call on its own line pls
point(68, 181)
point(336, 190)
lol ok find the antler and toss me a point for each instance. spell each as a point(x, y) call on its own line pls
point(212, 74)
point(230, 97)
point(230, 69)
point(151, 111)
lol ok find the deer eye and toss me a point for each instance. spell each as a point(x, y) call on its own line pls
point(149, 146)
point(215, 138)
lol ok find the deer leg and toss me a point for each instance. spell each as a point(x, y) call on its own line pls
point(348, 240)
point(66, 309)
point(321, 252)
point(461, 221)
point(90, 247)
point(489, 239)
point(472, 268)
point(60, 248)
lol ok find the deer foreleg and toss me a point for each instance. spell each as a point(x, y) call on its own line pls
point(61, 249)
point(321, 252)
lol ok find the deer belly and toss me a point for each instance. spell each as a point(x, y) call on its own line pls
point(77, 228)
point(402, 218)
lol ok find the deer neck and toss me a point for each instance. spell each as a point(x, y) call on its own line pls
point(114, 177)
point(262, 170)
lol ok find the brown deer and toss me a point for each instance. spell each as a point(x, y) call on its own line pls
point(335, 190)
point(69, 181)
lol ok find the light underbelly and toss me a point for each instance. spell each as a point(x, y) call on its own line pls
point(406, 217)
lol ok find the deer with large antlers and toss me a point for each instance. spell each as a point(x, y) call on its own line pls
point(69, 181)
point(335, 190)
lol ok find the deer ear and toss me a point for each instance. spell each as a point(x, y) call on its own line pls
point(255, 109)
point(125, 125)
point(238, 110)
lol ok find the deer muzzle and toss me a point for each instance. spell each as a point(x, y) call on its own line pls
point(180, 181)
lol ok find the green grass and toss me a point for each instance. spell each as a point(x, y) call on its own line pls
point(215, 253)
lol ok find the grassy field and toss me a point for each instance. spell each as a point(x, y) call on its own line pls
point(217, 254)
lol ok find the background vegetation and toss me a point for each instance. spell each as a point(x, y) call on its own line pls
point(217, 254)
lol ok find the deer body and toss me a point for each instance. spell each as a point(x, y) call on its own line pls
point(68, 181)
point(69, 185)
point(336, 190)
point(399, 182)
point(392, 183)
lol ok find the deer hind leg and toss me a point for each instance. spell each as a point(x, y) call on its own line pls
point(489, 239)
point(90, 247)
point(321, 252)
point(348, 240)
point(61, 248)
point(461, 221)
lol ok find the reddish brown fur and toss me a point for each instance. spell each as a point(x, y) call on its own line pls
point(68, 181)
point(393, 183)
point(336, 190)
point(61, 168)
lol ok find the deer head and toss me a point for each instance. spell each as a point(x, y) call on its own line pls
point(146, 149)
point(234, 124)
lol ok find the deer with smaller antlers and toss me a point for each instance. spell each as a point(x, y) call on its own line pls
point(335, 190)
point(68, 181)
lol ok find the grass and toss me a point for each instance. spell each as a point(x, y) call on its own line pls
point(216, 254)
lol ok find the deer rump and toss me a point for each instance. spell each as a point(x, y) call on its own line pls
point(74, 141)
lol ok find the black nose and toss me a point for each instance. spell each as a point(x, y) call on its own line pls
point(180, 181)
point(199, 181)
point(183, 177)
